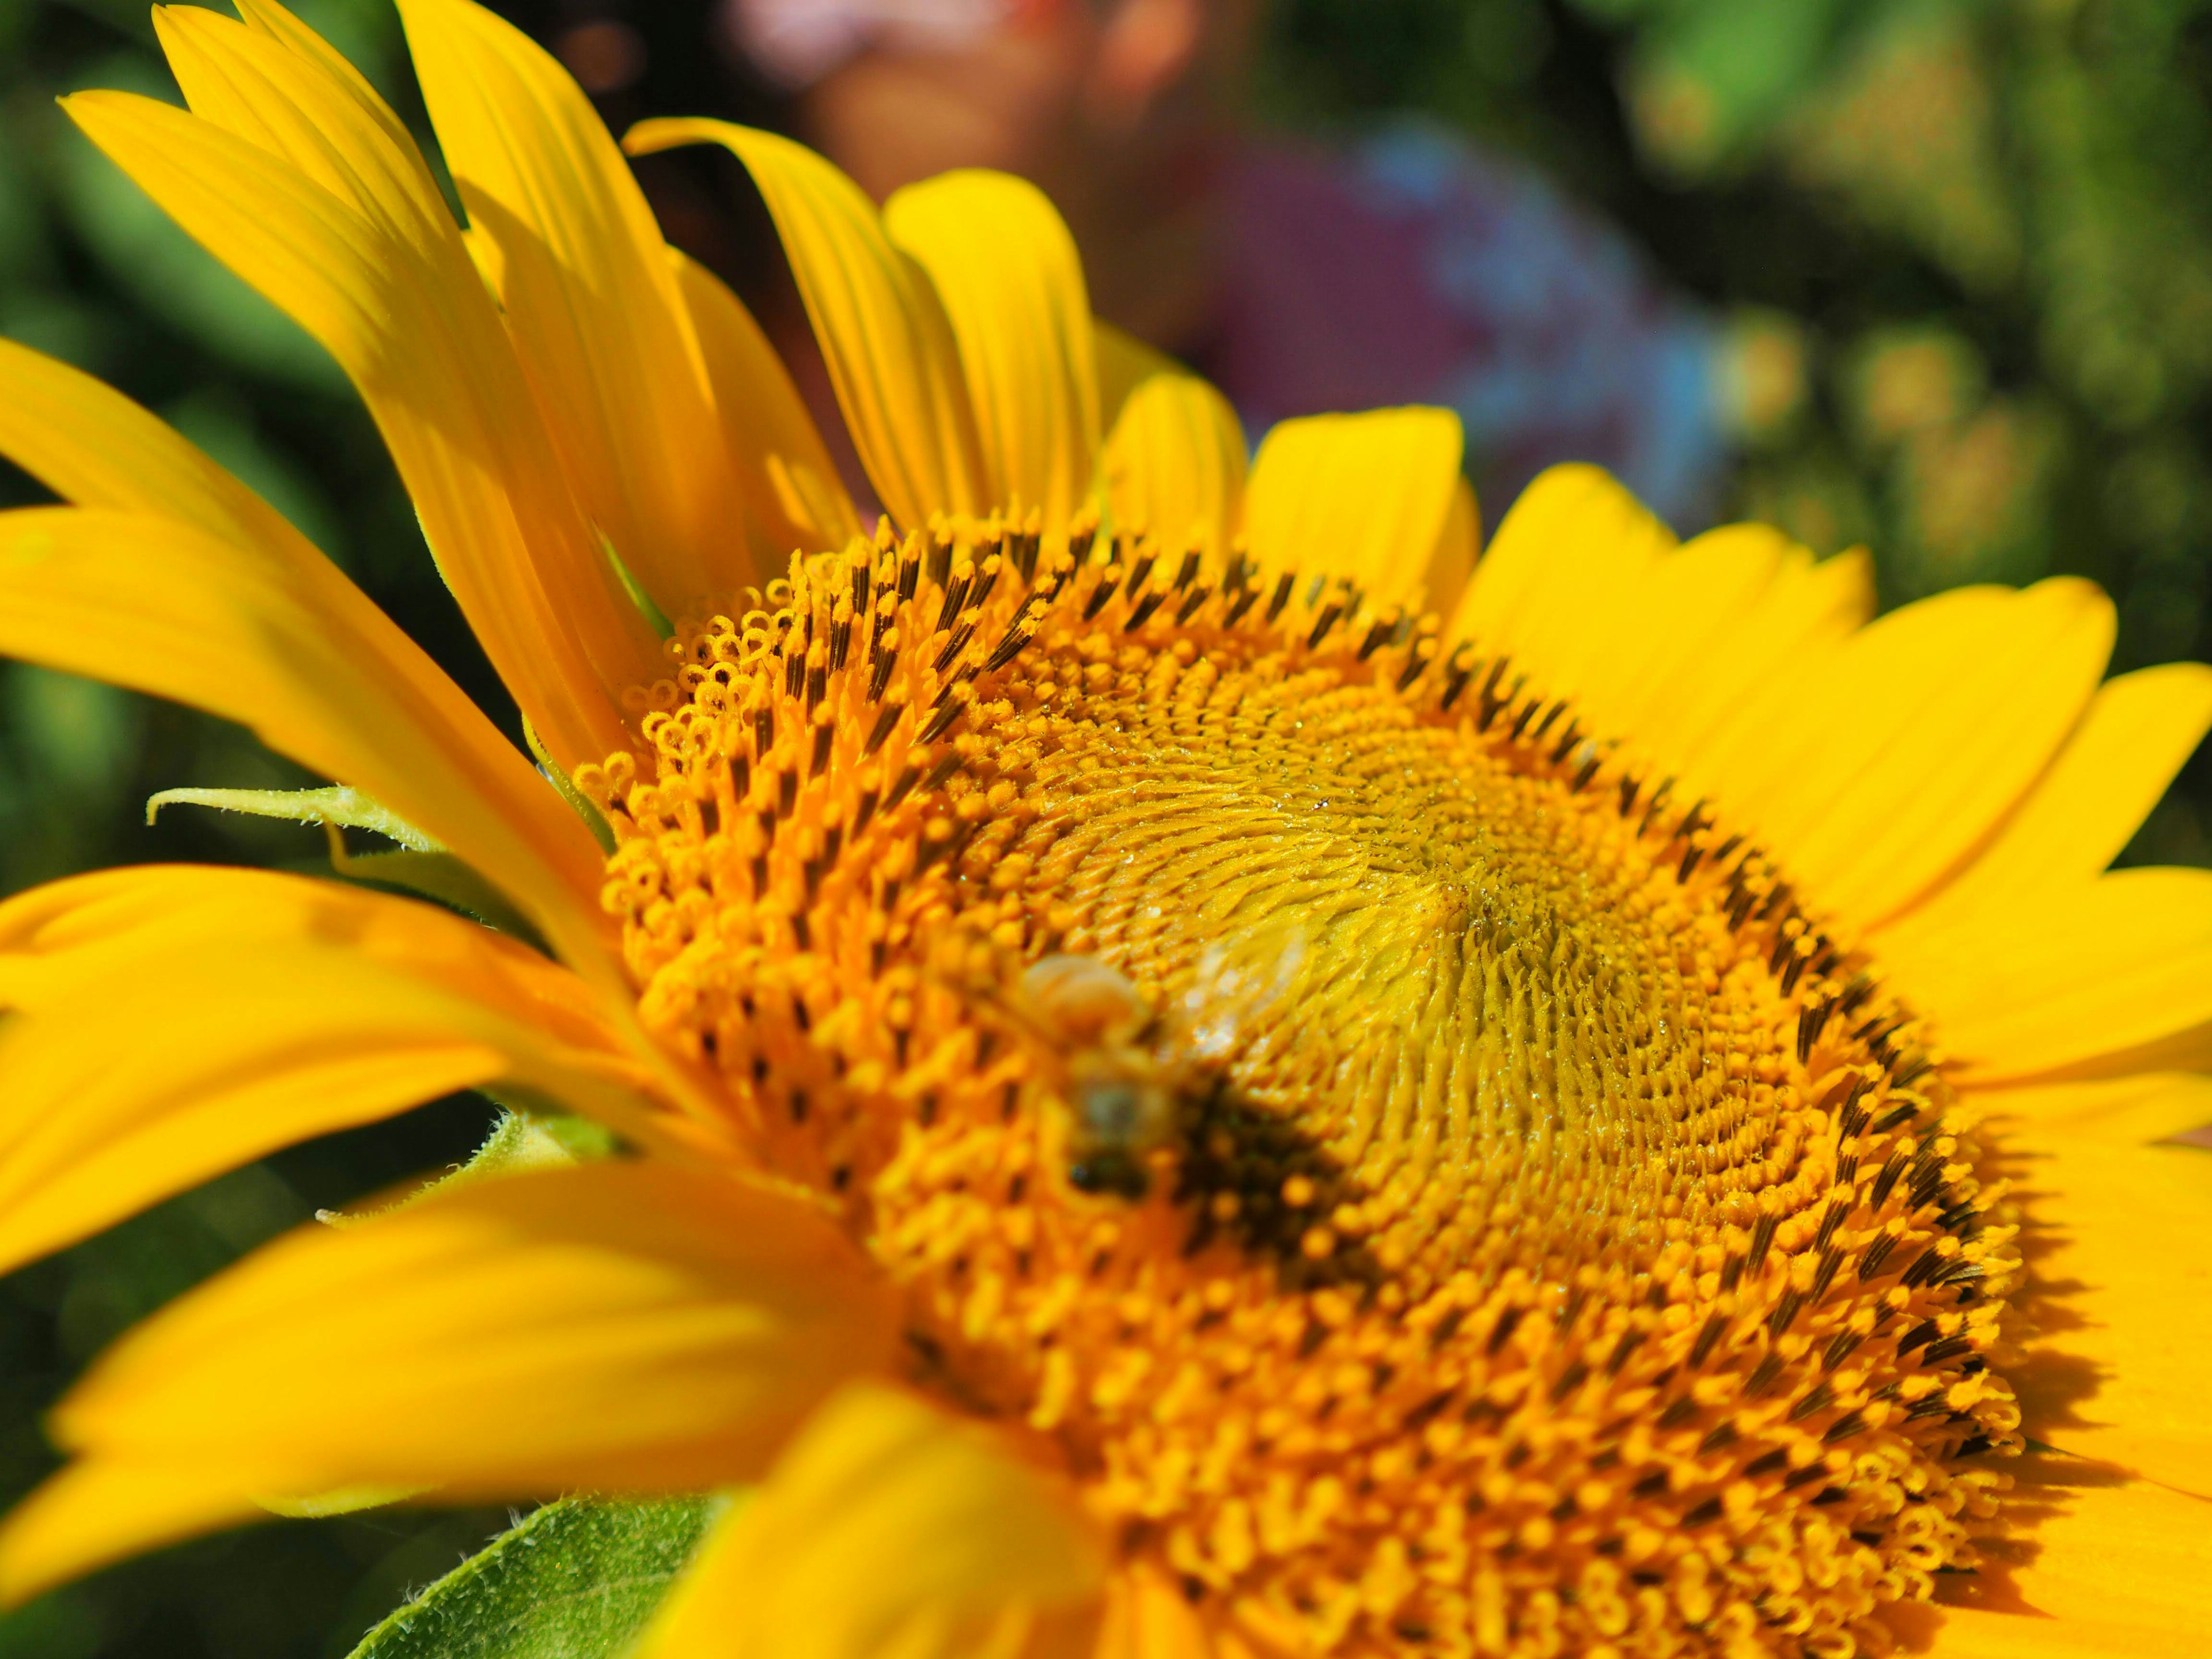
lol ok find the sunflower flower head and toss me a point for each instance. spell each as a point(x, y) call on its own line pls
point(1198, 1072)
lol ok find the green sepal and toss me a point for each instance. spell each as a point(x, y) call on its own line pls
point(439, 875)
point(336, 806)
point(577, 1580)
point(579, 802)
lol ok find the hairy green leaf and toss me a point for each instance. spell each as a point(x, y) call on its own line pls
point(577, 1580)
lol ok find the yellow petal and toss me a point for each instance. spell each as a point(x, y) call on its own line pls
point(445, 767)
point(620, 1327)
point(1654, 635)
point(1125, 362)
point(1451, 565)
point(597, 318)
point(410, 320)
point(2086, 1556)
point(1725, 716)
point(301, 656)
point(1175, 463)
point(1573, 541)
point(2137, 733)
point(2130, 1110)
point(172, 1024)
point(884, 332)
point(1926, 729)
point(1005, 266)
point(1364, 495)
point(2119, 1253)
point(770, 442)
point(888, 1530)
point(2109, 966)
point(1974, 1633)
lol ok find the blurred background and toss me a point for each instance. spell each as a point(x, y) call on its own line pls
point(1933, 276)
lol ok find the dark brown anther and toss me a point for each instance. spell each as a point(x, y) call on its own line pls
point(787, 792)
point(1708, 1334)
point(1501, 1332)
point(1550, 717)
point(1377, 637)
point(955, 644)
point(1876, 1253)
point(1839, 1349)
point(740, 769)
point(1762, 1240)
point(1763, 1375)
point(1786, 1313)
point(1328, 619)
point(710, 816)
point(1886, 1180)
point(817, 687)
point(1186, 571)
point(1831, 1258)
point(1819, 1398)
point(1281, 597)
point(1417, 661)
point(1628, 789)
point(1717, 1438)
point(1810, 1023)
point(1583, 774)
point(1896, 1117)
point(955, 598)
point(1843, 1428)
point(1629, 1342)
point(1100, 594)
point(1142, 613)
point(941, 721)
point(1520, 721)
point(1244, 601)
point(910, 775)
point(763, 729)
point(841, 644)
point(824, 735)
point(1462, 670)
point(1830, 1220)
point(1008, 648)
point(1191, 601)
point(886, 722)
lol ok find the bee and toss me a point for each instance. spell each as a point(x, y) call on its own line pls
point(1133, 1079)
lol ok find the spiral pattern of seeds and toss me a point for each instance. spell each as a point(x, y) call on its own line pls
point(1567, 1245)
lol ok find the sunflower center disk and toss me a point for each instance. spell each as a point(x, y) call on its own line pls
point(1427, 1185)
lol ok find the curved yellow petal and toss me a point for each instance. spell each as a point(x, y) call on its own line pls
point(2115, 964)
point(1734, 710)
point(172, 1024)
point(468, 787)
point(1125, 362)
point(301, 656)
point(2119, 1295)
point(1362, 496)
point(770, 442)
point(2087, 1557)
point(888, 1530)
point(598, 317)
point(1573, 541)
point(1175, 463)
point(884, 332)
point(1924, 730)
point(2130, 1110)
point(1658, 632)
point(619, 1327)
point(1004, 265)
point(2138, 731)
point(396, 300)
point(1451, 564)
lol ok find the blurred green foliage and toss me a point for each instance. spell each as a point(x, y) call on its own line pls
point(1964, 247)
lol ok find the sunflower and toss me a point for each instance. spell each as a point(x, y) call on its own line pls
point(1193, 1070)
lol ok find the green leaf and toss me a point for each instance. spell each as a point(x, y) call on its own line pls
point(577, 1580)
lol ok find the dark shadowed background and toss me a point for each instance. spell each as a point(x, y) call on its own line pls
point(1961, 251)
